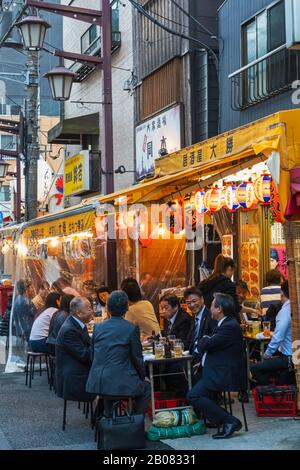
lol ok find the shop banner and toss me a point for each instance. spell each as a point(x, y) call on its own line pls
point(76, 174)
point(160, 135)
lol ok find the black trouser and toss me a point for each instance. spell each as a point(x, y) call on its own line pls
point(264, 370)
point(204, 400)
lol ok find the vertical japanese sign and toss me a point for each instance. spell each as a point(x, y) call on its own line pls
point(76, 174)
point(155, 138)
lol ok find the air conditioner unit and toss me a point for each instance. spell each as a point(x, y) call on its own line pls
point(292, 24)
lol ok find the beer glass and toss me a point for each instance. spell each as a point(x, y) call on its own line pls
point(266, 328)
point(159, 350)
point(178, 348)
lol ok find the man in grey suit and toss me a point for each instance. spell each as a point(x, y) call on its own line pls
point(118, 368)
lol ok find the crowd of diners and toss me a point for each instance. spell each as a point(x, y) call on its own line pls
point(110, 361)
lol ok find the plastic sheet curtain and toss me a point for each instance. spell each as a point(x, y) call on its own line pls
point(84, 261)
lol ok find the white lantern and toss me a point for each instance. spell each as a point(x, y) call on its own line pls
point(60, 81)
point(33, 30)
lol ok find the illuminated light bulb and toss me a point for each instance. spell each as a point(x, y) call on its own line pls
point(161, 231)
point(54, 242)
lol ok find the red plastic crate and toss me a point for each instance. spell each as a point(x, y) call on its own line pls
point(276, 404)
point(161, 403)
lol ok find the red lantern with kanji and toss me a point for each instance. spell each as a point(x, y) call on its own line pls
point(274, 203)
point(213, 200)
point(174, 217)
point(262, 188)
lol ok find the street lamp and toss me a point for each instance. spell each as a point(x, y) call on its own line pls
point(33, 30)
point(3, 169)
point(60, 82)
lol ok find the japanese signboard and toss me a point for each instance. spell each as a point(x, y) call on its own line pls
point(76, 175)
point(155, 138)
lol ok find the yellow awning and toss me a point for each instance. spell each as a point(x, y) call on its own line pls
point(203, 163)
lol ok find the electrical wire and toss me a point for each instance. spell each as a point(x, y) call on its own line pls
point(176, 33)
point(202, 26)
point(179, 24)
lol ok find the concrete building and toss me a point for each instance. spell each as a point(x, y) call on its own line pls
point(81, 124)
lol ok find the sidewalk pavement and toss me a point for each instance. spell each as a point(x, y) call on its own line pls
point(32, 419)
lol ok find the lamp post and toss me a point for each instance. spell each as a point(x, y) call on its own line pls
point(60, 79)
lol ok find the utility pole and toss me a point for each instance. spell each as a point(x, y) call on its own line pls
point(31, 143)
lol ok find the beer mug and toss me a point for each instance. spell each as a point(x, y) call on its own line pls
point(172, 339)
point(158, 350)
point(178, 348)
point(255, 327)
point(249, 327)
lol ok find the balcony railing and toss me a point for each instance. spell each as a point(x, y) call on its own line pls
point(84, 70)
point(264, 78)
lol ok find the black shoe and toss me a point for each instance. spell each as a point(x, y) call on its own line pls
point(228, 430)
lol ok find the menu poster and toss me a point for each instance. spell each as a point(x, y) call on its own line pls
point(227, 245)
point(250, 267)
point(278, 259)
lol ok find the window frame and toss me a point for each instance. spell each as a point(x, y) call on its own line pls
point(250, 20)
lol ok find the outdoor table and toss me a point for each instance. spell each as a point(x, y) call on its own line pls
point(262, 343)
point(185, 360)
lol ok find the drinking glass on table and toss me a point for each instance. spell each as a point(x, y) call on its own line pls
point(178, 348)
point(172, 339)
point(159, 350)
point(267, 328)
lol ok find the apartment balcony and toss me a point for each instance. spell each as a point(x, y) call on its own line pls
point(94, 49)
point(264, 78)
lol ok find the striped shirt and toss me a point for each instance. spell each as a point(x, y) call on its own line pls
point(268, 296)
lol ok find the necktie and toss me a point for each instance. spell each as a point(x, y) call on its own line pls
point(169, 327)
point(196, 335)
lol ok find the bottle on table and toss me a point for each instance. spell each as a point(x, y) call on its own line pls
point(168, 351)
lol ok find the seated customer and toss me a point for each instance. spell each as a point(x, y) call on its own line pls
point(140, 312)
point(177, 321)
point(223, 366)
point(278, 356)
point(40, 328)
point(57, 321)
point(118, 368)
point(271, 293)
point(73, 353)
point(40, 299)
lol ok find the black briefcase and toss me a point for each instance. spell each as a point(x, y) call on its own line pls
point(121, 432)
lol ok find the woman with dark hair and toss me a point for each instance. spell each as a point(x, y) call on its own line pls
point(40, 328)
point(140, 312)
point(220, 281)
point(57, 321)
point(101, 299)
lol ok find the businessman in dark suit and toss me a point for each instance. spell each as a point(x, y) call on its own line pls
point(223, 367)
point(202, 324)
point(118, 368)
point(73, 353)
point(177, 321)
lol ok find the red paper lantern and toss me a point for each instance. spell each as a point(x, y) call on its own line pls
point(213, 200)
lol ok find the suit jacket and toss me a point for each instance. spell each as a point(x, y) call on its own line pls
point(73, 361)
point(218, 284)
point(118, 367)
point(181, 326)
point(224, 366)
point(207, 326)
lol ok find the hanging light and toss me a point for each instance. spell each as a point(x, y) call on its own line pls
point(246, 196)
point(230, 198)
point(60, 81)
point(213, 200)
point(262, 188)
point(199, 202)
point(33, 30)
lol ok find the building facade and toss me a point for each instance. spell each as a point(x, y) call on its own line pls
point(257, 69)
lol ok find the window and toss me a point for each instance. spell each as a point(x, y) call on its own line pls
point(115, 16)
point(8, 142)
point(264, 33)
point(88, 38)
point(4, 194)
